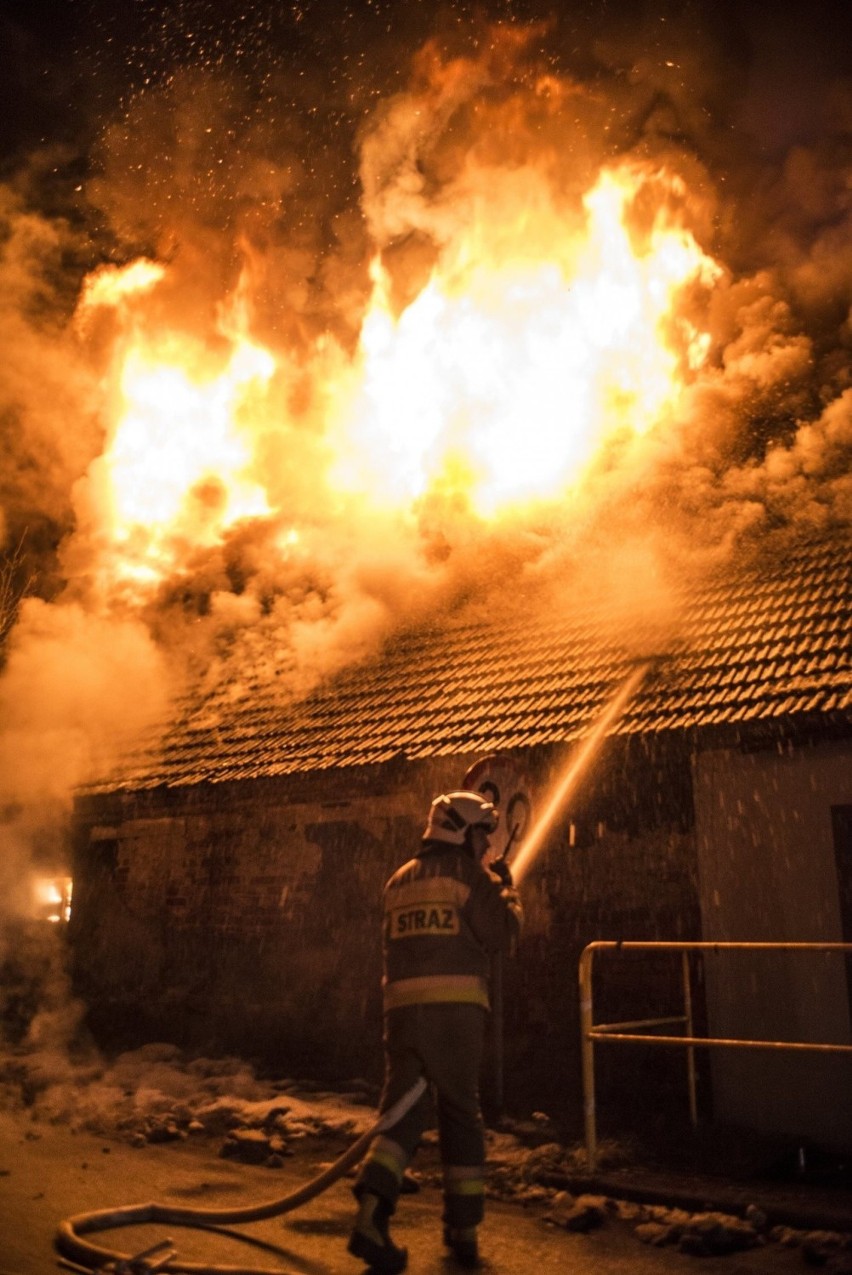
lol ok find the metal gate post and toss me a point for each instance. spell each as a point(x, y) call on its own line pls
point(627, 1032)
point(588, 1057)
point(690, 1049)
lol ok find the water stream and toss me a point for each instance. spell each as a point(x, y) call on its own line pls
point(575, 767)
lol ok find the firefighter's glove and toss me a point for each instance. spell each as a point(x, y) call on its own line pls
point(501, 869)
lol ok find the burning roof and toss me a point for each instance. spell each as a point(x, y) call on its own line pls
point(767, 646)
point(300, 359)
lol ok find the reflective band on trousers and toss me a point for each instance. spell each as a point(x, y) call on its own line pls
point(463, 1180)
point(432, 989)
point(390, 1156)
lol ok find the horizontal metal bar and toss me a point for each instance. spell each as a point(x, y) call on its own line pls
point(715, 1041)
point(665, 945)
point(640, 1022)
point(590, 1035)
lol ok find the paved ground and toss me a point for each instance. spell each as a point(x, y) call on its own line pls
point(48, 1173)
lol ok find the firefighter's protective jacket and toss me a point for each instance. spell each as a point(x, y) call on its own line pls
point(444, 917)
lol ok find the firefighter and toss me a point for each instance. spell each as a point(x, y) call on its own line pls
point(445, 916)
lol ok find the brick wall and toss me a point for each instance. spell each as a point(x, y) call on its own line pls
point(246, 917)
point(237, 918)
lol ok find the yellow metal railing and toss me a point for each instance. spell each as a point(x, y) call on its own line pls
point(592, 1033)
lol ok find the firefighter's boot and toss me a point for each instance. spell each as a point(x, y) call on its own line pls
point(462, 1243)
point(370, 1240)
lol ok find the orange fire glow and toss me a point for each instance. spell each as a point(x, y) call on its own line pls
point(528, 348)
point(538, 339)
point(52, 898)
point(179, 438)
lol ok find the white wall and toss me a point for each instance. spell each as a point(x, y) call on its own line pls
point(767, 872)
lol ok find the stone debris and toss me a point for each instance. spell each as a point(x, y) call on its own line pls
point(167, 1130)
point(785, 1235)
point(716, 1234)
point(156, 1129)
point(656, 1233)
point(830, 1250)
point(157, 1095)
point(713, 1234)
point(757, 1218)
point(824, 1248)
point(256, 1146)
point(585, 1213)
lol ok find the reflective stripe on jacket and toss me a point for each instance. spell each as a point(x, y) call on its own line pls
point(444, 917)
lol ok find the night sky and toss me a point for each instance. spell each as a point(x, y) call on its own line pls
point(70, 65)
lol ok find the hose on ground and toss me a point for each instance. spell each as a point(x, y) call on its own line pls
point(88, 1256)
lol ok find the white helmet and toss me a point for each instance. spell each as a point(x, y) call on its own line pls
point(453, 813)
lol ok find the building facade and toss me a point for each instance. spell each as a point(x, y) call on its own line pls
point(227, 884)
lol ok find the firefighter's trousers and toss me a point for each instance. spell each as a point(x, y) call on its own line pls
point(443, 1042)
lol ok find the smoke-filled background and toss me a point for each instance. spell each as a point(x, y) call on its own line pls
point(265, 271)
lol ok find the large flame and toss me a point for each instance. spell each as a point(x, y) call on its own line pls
point(176, 468)
point(528, 348)
point(181, 438)
point(537, 340)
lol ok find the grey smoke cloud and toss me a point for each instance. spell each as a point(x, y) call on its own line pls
point(47, 427)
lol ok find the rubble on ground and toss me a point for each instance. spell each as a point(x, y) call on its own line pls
point(583, 1213)
point(708, 1234)
point(158, 1095)
point(701, 1234)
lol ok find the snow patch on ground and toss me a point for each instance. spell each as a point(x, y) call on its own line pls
point(159, 1094)
point(140, 1089)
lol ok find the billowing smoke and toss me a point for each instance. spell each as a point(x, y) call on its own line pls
point(265, 176)
point(64, 697)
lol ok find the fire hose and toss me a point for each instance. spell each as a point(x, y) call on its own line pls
point(86, 1256)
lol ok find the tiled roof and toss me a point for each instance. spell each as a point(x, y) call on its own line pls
point(768, 644)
